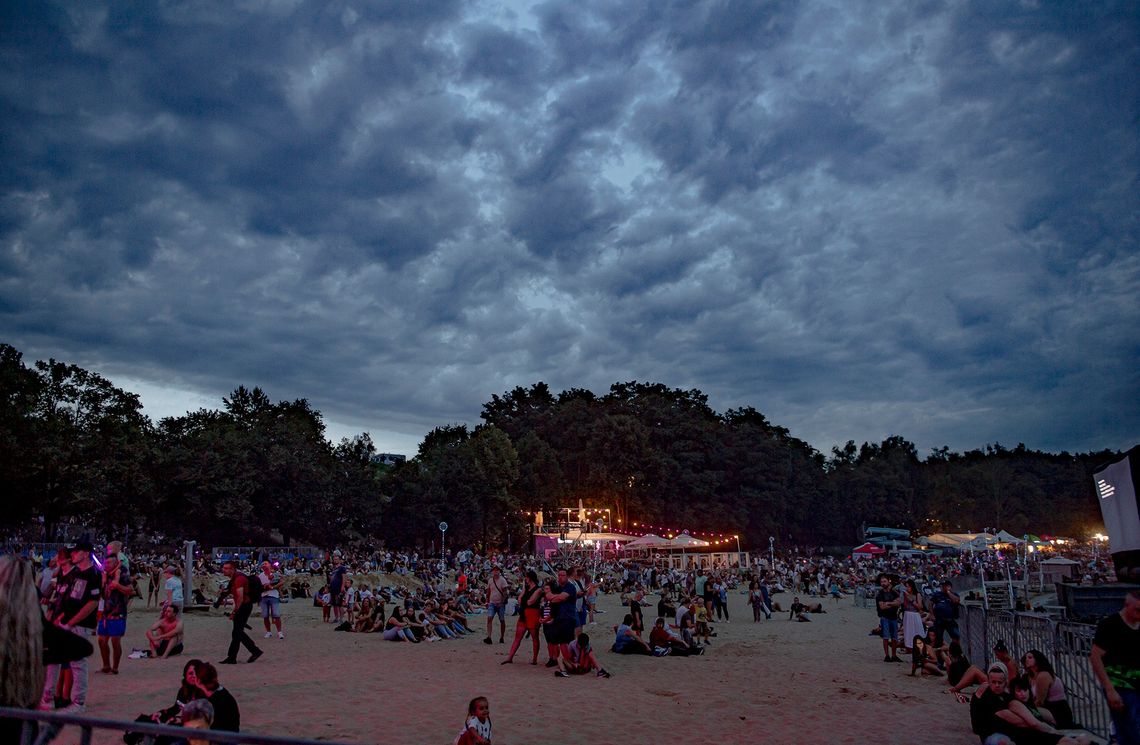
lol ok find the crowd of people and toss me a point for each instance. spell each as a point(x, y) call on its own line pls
point(1015, 701)
point(406, 597)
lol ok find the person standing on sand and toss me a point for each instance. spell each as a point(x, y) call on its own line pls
point(243, 608)
point(112, 621)
point(565, 614)
point(80, 593)
point(336, 587)
point(887, 603)
point(270, 599)
point(497, 591)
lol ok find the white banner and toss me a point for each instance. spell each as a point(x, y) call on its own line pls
point(1116, 493)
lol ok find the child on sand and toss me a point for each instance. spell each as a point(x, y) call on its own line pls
point(477, 727)
point(581, 661)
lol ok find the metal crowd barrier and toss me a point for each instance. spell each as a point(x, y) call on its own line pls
point(1066, 644)
point(88, 725)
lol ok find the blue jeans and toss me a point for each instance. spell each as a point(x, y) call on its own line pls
point(1127, 720)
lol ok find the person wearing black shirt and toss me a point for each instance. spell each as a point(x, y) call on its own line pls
point(79, 592)
point(226, 714)
point(1116, 662)
point(887, 603)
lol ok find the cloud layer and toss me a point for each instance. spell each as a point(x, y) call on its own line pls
point(862, 219)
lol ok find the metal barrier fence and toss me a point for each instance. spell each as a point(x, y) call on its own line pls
point(272, 553)
point(87, 725)
point(1066, 644)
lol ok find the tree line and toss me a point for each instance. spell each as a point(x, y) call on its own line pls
point(74, 447)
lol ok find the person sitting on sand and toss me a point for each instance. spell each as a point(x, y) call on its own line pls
point(660, 638)
point(227, 717)
point(165, 636)
point(198, 715)
point(477, 725)
point(581, 659)
point(922, 659)
point(1001, 652)
point(456, 619)
point(798, 612)
point(665, 606)
point(1034, 727)
point(364, 618)
point(626, 641)
point(172, 714)
point(438, 624)
point(960, 674)
point(399, 629)
point(1048, 691)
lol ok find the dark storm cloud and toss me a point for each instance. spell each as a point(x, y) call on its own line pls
point(918, 219)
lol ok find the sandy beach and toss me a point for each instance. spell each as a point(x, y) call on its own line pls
point(781, 681)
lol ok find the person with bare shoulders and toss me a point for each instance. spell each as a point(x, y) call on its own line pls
point(112, 621)
point(530, 600)
point(1001, 653)
point(960, 674)
point(165, 636)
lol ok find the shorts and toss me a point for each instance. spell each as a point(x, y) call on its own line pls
point(112, 627)
point(561, 632)
point(160, 650)
point(494, 609)
point(530, 618)
point(583, 615)
point(270, 607)
point(889, 628)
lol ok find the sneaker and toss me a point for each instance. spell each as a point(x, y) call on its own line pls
point(895, 659)
point(280, 634)
point(552, 663)
point(487, 640)
point(561, 674)
point(268, 635)
point(887, 658)
point(604, 674)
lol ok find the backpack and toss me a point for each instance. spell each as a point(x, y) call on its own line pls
point(255, 588)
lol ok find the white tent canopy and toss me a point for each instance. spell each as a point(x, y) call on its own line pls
point(959, 541)
point(1006, 537)
point(683, 541)
point(649, 540)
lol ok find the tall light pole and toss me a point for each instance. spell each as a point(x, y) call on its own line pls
point(772, 550)
point(442, 547)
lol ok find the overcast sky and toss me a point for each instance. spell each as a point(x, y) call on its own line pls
point(862, 219)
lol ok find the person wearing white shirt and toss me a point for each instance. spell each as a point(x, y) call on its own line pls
point(270, 599)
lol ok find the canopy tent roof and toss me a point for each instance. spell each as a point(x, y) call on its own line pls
point(868, 548)
point(1061, 561)
point(649, 540)
point(959, 541)
point(1006, 537)
point(684, 540)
